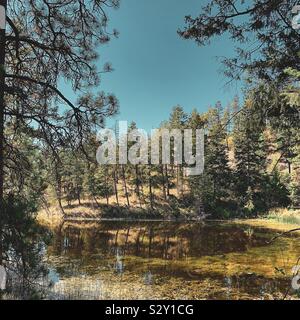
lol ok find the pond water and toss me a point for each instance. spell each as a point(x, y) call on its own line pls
point(166, 260)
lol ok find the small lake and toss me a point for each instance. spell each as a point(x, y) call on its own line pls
point(168, 260)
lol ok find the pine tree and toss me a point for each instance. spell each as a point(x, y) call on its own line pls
point(178, 120)
point(214, 185)
point(250, 157)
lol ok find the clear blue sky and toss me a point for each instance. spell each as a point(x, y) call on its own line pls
point(154, 69)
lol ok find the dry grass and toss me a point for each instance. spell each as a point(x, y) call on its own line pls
point(285, 216)
point(277, 219)
point(88, 208)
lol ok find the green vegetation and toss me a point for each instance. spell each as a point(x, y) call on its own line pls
point(48, 143)
point(170, 260)
point(22, 243)
point(244, 174)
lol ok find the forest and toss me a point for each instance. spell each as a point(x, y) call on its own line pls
point(251, 167)
point(48, 139)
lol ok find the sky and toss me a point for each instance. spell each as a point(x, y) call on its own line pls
point(155, 69)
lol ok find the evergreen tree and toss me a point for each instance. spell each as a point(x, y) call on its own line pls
point(250, 157)
point(213, 187)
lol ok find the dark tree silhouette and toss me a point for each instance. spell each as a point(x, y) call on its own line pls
point(48, 43)
point(267, 41)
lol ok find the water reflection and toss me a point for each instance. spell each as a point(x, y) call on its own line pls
point(148, 279)
point(24, 247)
point(171, 241)
point(119, 266)
point(169, 261)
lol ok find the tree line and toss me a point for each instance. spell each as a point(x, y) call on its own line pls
point(252, 165)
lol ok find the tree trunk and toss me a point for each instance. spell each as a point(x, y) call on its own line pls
point(97, 203)
point(78, 196)
point(164, 183)
point(125, 186)
point(150, 189)
point(181, 181)
point(58, 188)
point(167, 181)
point(116, 188)
point(116, 238)
point(137, 184)
point(3, 3)
point(60, 204)
point(106, 193)
point(289, 167)
point(177, 181)
point(151, 235)
point(126, 241)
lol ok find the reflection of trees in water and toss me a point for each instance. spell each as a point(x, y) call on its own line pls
point(154, 240)
point(264, 288)
point(129, 251)
point(23, 249)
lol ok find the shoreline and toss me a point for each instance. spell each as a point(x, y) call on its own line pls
point(53, 217)
point(137, 220)
point(251, 223)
